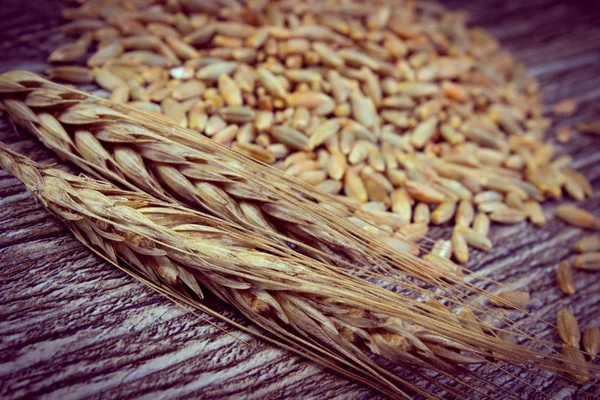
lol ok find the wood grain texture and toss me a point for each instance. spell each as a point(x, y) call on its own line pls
point(72, 326)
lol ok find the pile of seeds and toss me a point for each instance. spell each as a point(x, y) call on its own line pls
point(398, 108)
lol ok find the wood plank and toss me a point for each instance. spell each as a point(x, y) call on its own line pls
point(72, 326)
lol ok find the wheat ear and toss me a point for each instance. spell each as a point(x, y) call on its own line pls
point(132, 149)
point(339, 320)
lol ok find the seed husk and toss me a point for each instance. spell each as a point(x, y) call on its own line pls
point(424, 132)
point(237, 114)
point(330, 186)
point(591, 341)
point(291, 137)
point(568, 328)
point(459, 247)
point(513, 200)
point(313, 177)
point(399, 119)
point(181, 49)
point(414, 89)
point(577, 217)
point(535, 213)
point(564, 278)
point(188, 89)
point(401, 205)
point(255, 151)
point(481, 224)
point(70, 52)
point(424, 193)
point(104, 54)
point(475, 238)
point(324, 131)
point(442, 248)
point(469, 320)
point(214, 124)
point(589, 261)
point(511, 299)
point(174, 111)
point(507, 216)
point(120, 94)
point(354, 186)
point(565, 108)
point(588, 243)
point(363, 109)
point(434, 304)
point(72, 74)
point(301, 166)
point(487, 196)
point(226, 135)
point(271, 83)
point(451, 135)
point(575, 364)
point(581, 181)
point(443, 212)
point(492, 206)
point(465, 213)
point(213, 71)
point(574, 189)
point(359, 152)
point(422, 214)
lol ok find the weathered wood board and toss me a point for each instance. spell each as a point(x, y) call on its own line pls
point(72, 326)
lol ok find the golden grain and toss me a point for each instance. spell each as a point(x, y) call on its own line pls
point(354, 186)
point(71, 74)
point(564, 278)
point(424, 132)
point(565, 108)
point(481, 224)
point(577, 217)
point(290, 137)
point(487, 196)
point(422, 214)
point(424, 193)
point(591, 341)
point(588, 243)
point(568, 328)
point(535, 213)
point(588, 261)
point(507, 216)
point(443, 212)
point(475, 238)
point(459, 247)
point(511, 299)
point(401, 205)
point(575, 364)
point(70, 52)
point(465, 213)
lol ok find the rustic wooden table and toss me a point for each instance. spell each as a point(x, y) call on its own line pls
point(71, 326)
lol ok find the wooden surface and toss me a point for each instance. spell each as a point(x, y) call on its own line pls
point(71, 326)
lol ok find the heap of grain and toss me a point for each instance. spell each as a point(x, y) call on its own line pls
point(397, 107)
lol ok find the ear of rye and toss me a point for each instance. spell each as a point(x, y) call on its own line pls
point(170, 248)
